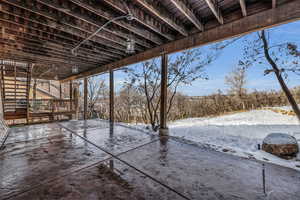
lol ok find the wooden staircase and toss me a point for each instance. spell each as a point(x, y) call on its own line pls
point(15, 86)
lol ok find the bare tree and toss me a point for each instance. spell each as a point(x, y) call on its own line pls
point(283, 57)
point(97, 91)
point(184, 69)
point(236, 80)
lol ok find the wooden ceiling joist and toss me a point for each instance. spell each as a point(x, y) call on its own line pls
point(215, 10)
point(52, 21)
point(164, 16)
point(52, 40)
point(243, 7)
point(140, 17)
point(281, 14)
point(84, 17)
point(108, 16)
point(48, 36)
point(45, 31)
point(182, 7)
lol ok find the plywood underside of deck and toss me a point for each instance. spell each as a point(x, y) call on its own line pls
point(48, 162)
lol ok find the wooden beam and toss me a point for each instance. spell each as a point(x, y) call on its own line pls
point(102, 12)
point(52, 22)
point(85, 98)
point(36, 54)
point(40, 49)
point(243, 7)
point(71, 97)
point(282, 14)
point(215, 10)
point(29, 70)
point(163, 91)
point(50, 38)
point(164, 16)
point(60, 91)
point(140, 17)
point(88, 20)
point(183, 8)
point(111, 97)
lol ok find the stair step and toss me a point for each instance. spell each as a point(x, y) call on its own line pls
point(5, 79)
point(16, 106)
point(16, 84)
point(12, 88)
point(15, 92)
point(13, 99)
point(16, 95)
point(12, 70)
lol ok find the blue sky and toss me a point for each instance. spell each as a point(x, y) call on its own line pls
point(228, 60)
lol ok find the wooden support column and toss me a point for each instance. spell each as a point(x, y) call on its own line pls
point(60, 93)
point(29, 70)
point(163, 95)
point(34, 94)
point(85, 98)
point(111, 97)
point(71, 97)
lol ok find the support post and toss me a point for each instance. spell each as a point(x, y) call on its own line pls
point(85, 98)
point(71, 97)
point(60, 93)
point(111, 97)
point(34, 95)
point(29, 70)
point(163, 95)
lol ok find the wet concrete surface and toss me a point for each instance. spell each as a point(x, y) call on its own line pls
point(48, 162)
point(26, 164)
point(100, 182)
point(200, 173)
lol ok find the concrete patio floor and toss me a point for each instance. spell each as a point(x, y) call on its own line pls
point(48, 161)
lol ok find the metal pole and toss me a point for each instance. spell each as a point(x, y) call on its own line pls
point(163, 95)
point(111, 97)
point(85, 98)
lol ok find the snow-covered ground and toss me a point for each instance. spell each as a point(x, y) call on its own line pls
point(239, 134)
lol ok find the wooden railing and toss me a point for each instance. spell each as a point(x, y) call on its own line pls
point(51, 105)
point(53, 109)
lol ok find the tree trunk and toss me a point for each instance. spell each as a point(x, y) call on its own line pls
point(277, 72)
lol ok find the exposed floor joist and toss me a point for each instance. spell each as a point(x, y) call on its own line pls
point(281, 14)
point(108, 16)
point(188, 13)
point(50, 29)
point(87, 19)
point(243, 7)
point(163, 16)
point(51, 21)
point(145, 20)
point(215, 10)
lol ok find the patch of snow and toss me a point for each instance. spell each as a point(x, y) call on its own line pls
point(240, 134)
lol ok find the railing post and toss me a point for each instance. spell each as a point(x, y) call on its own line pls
point(85, 98)
point(163, 95)
point(111, 97)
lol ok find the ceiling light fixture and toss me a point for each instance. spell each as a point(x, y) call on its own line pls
point(130, 46)
point(74, 69)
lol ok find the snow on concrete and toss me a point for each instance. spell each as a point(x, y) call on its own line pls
point(239, 134)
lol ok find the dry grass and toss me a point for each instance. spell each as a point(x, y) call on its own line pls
point(283, 112)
